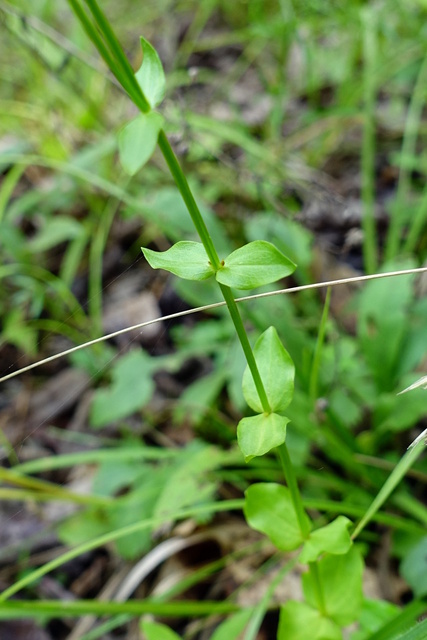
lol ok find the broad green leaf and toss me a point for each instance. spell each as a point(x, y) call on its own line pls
point(269, 509)
point(185, 259)
point(138, 139)
point(233, 626)
point(254, 265)
point(257, 435)
point(54, 231)
point(150, 75)
point(157, 631)
point(341, 583)
point(131, 388)
point(17, 331)
point(189, 480)
point(277, 372)
point(299, 621)
point(290, 237)
point(414, 568)
point(383, 311)
point(333, 538)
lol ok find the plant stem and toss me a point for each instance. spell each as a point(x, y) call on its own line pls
point(187, 196)
point(247, 349)
point(199, 223)
point(368, 143)
point(119, 55)
point(291, 481)
point(104, 52)
point(314, 376)
point(317, 584)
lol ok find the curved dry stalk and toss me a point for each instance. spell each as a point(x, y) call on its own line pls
point(215, 305)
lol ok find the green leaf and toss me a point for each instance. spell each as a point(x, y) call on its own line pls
point(17, 331)
point(55, 231)
point(333, 538)
point(277, 372)
point(189, 480)
point(233, 626)
point(259, 434)
point(254, 265)
point(269, 509)
point(341, 583)
point(138, 139)
point(299, 621)
point(375, 614)
point(418, 632)
point(185, 259)
point(157, 631)
point(150, 75)
point(414, 568)
point(131, 388)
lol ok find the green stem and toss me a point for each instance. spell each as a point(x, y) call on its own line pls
point(119, 64)
point(368, 142)
point(317, 584)
point(119, 55)
point(315, 368)
point(199, 223)
point(247, 349)
point(187, 196)
point(291, 481)
point(103, 50)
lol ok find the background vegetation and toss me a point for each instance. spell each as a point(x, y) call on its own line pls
point(301, 123)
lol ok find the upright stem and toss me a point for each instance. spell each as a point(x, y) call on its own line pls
point(115, 58)
point(318, 589)
point(291, 481)
point(199, 223)
point(247, 349)
point(121, 60)
point(187, 196)
point(368, 142)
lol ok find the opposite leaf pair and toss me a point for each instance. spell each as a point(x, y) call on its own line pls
point(253, 265)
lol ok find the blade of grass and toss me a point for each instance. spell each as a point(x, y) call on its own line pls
point(368, 18)
point(96, 456)
point(261, 608)
point(391, 483)
point(35, 485)
point(408, 151)
point(409, 615)
point(65, 608)
point(315, 367)
point(227, 505)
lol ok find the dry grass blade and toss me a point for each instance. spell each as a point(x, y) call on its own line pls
point(422, 382)
point(216, 305)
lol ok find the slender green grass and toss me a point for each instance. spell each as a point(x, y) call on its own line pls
point(227, 505)
point(370, 244)
point(315, 367)
point(391, 483)
point(398, 217)
point(65, 608)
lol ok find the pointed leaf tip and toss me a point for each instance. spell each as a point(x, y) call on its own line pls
point(185, 259)
point(277, 373)
point(255, 264)
point(150, 75)
point(138, 139)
